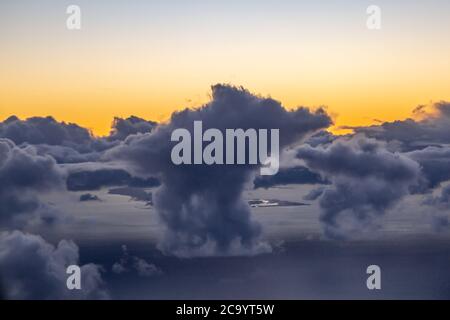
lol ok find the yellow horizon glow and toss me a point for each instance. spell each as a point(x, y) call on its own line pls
point(361, 79)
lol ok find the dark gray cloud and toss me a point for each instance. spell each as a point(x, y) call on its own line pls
point(122, 128)
point(442, 201)
point(32, 268)
point(88, 197)
point(128, 263)
point(314, 194)
point(320, 138)
point(68, 142)
point(435, 163)
point(439, 208)
point(286, 176)
point(409, 134)
point(23, 176)
point(366, 180)
point(96, 179)
point(425, 141)
point(201, 206)
point(63, 154)
point(137, 194)
point(38, 130)
point(440, 223)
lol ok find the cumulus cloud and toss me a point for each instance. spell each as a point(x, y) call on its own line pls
point(435, 163)
point(202, 206)
point(407, 135)
point(425, 140)
point(68, 142)
point(320, 138)
point(122, 128)
point(32, 268)
point(366, 181)
point(40, 130)
point(23, 176)
point(129, 262)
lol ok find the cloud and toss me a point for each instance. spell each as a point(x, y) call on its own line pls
point(23, 176)
point(314, 194)
point(89, 197)
point(366, 179)
point(435, 163)
point(38, 130)
point(85, 180)
point(286, 176)
point(409, 134)
point(202, 206)
point(122, 128)
point(440, 208)
point(441, 202)
point(137, 194)
point(32, 268)
point(320, 138)
point(63, 154)
point(68, 142)
point(128, 263)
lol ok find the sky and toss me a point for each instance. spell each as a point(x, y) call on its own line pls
point(140, 225)
point(149, 58)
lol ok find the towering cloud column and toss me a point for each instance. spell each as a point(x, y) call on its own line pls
point(201, 206)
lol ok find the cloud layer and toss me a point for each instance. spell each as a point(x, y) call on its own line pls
point(362, 175)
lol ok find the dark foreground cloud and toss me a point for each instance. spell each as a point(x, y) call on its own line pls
point(202, 206)
point(32, 268)
point(23, 176)
point(366, 180)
